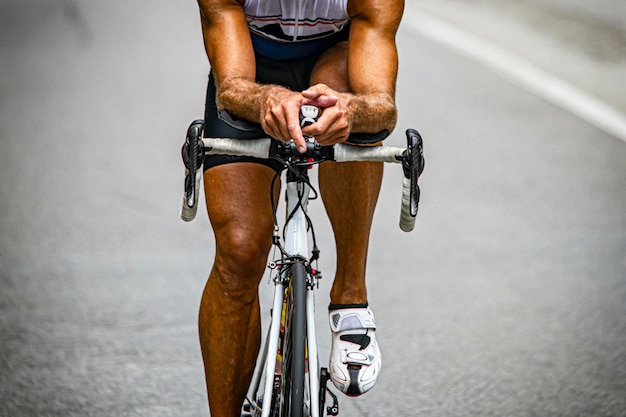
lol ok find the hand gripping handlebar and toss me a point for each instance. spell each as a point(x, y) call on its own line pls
point(195, 147)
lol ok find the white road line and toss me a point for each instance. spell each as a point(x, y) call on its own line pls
point(522, 73)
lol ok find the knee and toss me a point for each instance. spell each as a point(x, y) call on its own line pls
point(240, 262)
point(332, 69)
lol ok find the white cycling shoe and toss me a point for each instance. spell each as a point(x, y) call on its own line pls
point(355, 358)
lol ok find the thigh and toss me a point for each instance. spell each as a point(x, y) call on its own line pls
point(239, 199)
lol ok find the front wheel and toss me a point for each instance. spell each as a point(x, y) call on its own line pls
point(295, 360)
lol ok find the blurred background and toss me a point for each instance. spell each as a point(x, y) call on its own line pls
point(509, 298)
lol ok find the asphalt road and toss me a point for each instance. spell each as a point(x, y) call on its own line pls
point(509, 299)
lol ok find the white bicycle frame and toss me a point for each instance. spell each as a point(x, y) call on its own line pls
point(296, 244)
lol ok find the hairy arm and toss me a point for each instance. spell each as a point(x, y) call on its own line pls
point(230, 54)
point(369, 106)
point(229, 49)
point(373, 65)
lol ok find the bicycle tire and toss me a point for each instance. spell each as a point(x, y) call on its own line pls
point(295, 365)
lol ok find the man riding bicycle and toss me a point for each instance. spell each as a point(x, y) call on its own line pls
point(268, 58)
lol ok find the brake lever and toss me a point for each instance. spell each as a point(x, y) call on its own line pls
point(413, 166)
point(192, 154)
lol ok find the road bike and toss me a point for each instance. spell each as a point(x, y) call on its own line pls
point(288, 380)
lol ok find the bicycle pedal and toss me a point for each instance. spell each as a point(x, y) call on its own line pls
point(332, 410)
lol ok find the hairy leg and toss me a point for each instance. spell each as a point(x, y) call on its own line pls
point(239, 207)
point(350, 192)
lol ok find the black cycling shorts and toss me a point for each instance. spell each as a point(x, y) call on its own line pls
point(294, 74)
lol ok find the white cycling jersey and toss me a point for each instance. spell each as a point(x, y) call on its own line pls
point(296, 20)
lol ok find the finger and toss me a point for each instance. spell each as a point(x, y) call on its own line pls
point(295, 133)
point(332, 138)
point(324, 123)
point(290, 124)
point(331, 129)
point(317, 90)
point(280, 118)
point(271, 127)
point(320, 100)
point(283, 128)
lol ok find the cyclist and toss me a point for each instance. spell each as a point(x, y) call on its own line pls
point(268, 58)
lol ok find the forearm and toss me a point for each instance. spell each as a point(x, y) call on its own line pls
point(247, 99)
point(373, 64)
point(371, 113)
point(241, 97)
point(231, 56)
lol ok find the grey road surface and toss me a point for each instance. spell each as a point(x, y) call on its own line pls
point(509, 299)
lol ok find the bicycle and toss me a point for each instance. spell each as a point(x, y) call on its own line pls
point(288, 380)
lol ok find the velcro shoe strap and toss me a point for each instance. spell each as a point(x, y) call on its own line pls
point(351, 319)
point(356, 357)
